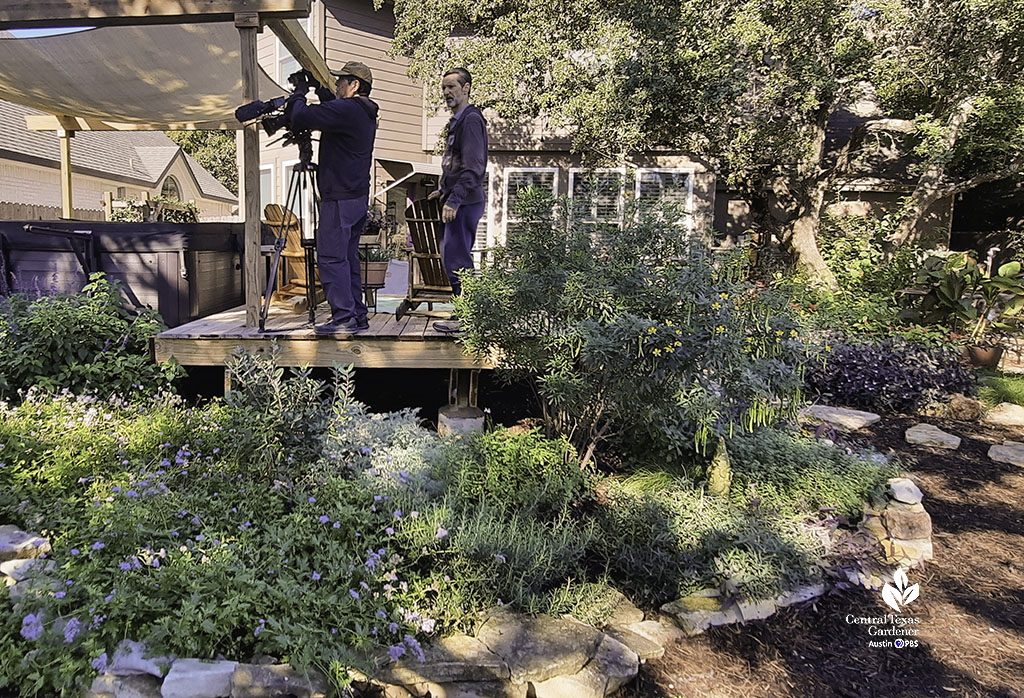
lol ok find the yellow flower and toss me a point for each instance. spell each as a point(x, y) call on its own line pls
point(723, 295)
point(679, 331)
point(792, 333)
point(657, 352)
point(716, 306)
point(652, 329)
point(720, 329)
point(678, 344)
point(668, 323)
point(778, 332)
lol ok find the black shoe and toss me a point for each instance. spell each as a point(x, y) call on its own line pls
point(448, 326)
point(349, 326)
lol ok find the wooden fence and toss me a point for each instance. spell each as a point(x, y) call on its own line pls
point(34, 212)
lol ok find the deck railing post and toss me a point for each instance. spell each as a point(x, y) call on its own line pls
point(249, 189)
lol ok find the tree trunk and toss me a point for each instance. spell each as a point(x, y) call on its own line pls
point(802, 240)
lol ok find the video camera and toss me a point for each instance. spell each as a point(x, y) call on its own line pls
point(274, 115)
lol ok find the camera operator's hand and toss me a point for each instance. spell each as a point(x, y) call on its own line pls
point(447, 214)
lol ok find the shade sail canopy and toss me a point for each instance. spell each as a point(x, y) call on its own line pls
point(160, 77)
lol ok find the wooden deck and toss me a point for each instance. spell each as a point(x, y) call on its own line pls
point(407, 343)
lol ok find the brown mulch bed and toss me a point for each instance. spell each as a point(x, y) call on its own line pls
point(971, 605)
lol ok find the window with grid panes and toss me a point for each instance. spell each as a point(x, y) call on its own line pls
point(597, 197)
point(518, 179)
point(665, 186)
point(480, 242)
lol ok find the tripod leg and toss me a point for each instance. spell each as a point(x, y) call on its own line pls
point(293, 189)
point(311, 248)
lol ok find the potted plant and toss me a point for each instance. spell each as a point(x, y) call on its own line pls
point(971, 300)
point(374, 265)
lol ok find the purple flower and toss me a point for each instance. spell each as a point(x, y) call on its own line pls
point(75, 551)
point(155, 562)
point(414, 647)
point(200, 537)
point(390, 531)
point(98, 545)
point(97, 620)
point(71, 629)
point(397, 514)
point(316, 576)
point(392, 627)
point(131, 493)
point(32, 626)
point(337, 524)
point(353, 593)
point(100, 663)
point(115, 489)
point(312, 500)
point(324, 518)
point(259, 628)
point(59, 594)
point(395, 652)
point(441, 533)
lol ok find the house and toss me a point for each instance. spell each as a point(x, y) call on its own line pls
point(128, 164)
point(521, 154)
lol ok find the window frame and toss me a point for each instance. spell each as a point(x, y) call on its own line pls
point(488, 218)
point(505, 216)
point(280, 52)
point(690, 172)
point(307, 204)
point(620, 203)
point(273, 186)
point(172, 180)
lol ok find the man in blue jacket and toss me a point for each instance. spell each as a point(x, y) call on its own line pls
point(462, 176)
point(347, 121)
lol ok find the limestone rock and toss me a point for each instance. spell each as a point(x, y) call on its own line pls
point(800, 594)
point(964, 408)
point(22, 568)
point(756, 610)
point(130, 658)
point(660, 630)
point(1011, 452)
point(874, 526)
point(642, 646)
point(539, 648)
point(459, 658)
point(695, 614)
point(192, 678)
point(613, 666)
point(273, 680)
point(904, 490)
point(1005, 414)
point(928, 435)
point(15, 544)
point(470, 689)
point(840, 417)
point(623, 612)
point(907, 525)
point(111, 686)
point(908, 552)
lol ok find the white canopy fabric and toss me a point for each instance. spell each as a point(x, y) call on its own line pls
point(160, 77)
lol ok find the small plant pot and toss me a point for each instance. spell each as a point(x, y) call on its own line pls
point(374, 273)
point(987, 357)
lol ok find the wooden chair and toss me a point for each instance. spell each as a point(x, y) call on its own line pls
point(428, 282)
point(292, 275)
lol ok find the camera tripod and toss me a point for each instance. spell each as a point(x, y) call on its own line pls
point(303, 181)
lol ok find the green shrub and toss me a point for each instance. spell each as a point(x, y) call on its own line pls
point(87, 343)
point(637, 330)
point(791, 474)
point(1001, 387)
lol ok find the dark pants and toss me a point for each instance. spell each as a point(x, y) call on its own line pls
point(337, 253)
point(457, 246)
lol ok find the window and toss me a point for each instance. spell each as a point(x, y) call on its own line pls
point(267, 186)
point(305, 198)
point(483, 240)
point(286, 65)
point(666, 186)
point(597, 195)
point(170, 189)
point(518, 179)
point(122, 192)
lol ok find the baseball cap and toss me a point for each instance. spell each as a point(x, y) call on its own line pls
point(355, 69)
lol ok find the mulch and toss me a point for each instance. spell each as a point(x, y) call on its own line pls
point(971, 605)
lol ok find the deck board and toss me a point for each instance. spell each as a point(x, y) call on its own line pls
point(388, 343)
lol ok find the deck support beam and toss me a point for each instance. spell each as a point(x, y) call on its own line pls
point(67, 209)
point(249, 169)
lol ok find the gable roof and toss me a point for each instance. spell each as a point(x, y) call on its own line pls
point(139, 158)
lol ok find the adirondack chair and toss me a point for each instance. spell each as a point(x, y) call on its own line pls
point(292, 275)
point(428, 282)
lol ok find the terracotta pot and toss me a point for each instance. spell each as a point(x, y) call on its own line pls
point(373, 273)
point(984, 356)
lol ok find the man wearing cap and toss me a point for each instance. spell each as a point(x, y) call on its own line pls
point(347, 121)
point(462, 176)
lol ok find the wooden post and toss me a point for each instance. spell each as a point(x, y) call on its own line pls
point(108, 204)
point(249, 189)
point(66, 208)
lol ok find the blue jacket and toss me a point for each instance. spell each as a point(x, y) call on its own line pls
point(465, 159)
point(347, 128)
